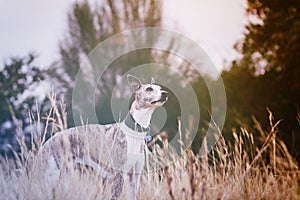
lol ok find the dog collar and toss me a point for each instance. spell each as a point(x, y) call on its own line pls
point(133, 125)
point(128, 131)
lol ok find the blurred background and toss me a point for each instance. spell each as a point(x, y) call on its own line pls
point(254, 44)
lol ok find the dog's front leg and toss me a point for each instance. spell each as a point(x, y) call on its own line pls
point(134, 180)
point(117, 186)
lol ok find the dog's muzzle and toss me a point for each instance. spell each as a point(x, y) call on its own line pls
point(163, 99)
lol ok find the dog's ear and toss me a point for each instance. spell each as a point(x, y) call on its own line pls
point(134, 82)
point(153, 80)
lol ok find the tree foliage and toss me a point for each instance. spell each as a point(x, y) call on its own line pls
point(267, 75)
point(90, 25)
point(16, 80)
point(272, 35)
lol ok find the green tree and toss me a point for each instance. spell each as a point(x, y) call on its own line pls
point(17, 79)
point(267, 75)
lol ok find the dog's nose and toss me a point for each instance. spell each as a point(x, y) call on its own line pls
point(164, 94)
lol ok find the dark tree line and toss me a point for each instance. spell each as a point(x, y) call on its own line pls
point(267, 75)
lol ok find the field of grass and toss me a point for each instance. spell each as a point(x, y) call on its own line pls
point(238, 171)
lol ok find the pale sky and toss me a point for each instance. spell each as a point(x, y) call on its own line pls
point(39, 25)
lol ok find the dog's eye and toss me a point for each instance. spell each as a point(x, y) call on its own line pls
point(149, 89)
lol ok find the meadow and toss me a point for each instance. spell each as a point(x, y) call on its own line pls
point(239, 170)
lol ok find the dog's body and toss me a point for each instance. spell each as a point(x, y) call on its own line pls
point(110, 150)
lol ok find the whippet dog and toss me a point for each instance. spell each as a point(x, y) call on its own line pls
point(111, 150)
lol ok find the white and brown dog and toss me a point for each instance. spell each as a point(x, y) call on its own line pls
point(112, 150)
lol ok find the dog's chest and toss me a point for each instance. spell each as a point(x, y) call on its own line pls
point(135, 153)
point(134, 144)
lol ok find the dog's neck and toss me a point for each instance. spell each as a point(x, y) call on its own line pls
point(142, 116)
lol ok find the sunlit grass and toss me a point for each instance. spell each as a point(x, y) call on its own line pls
point(238, 171)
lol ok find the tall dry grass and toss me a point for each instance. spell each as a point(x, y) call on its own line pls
point(238, 171)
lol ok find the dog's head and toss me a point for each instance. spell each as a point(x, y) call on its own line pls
point(148, 95)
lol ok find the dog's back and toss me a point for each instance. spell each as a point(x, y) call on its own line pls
point(90, 145)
